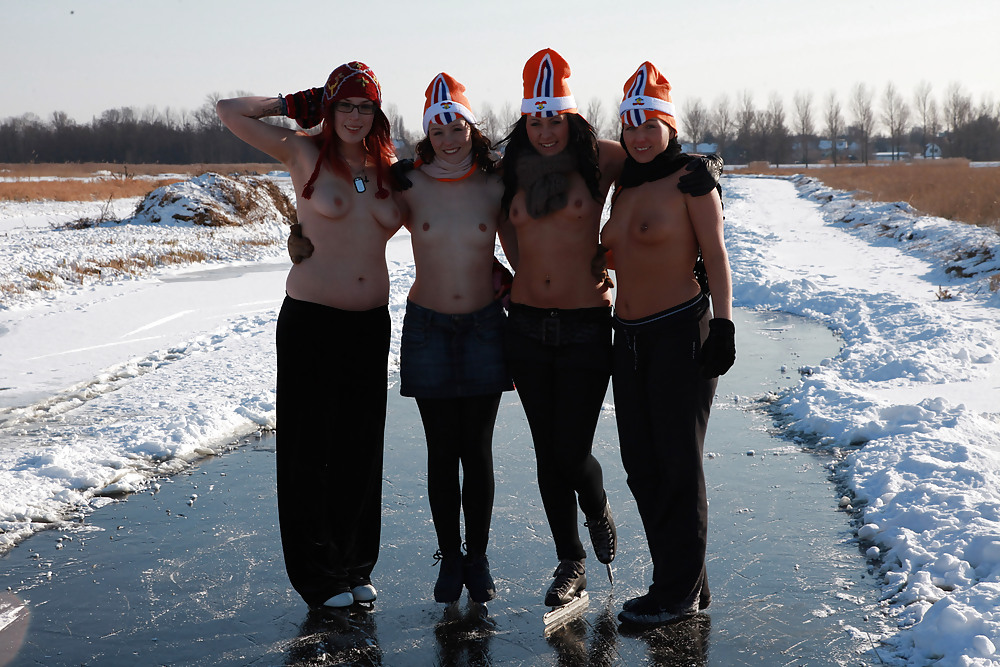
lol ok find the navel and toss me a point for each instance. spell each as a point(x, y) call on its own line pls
point(644, 227)
point(426, 226)
point(482, 227)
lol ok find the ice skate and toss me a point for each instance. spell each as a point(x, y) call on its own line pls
point(478, 579)
point(603, 535)
point(559, 615)
point(451, 576)
point(567, 595)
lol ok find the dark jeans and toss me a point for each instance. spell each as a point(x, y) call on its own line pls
point(662, 405)
point(561, 362)
point(331, 404)
point(460, 432)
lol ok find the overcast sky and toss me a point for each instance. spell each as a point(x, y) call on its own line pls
point(85, 56)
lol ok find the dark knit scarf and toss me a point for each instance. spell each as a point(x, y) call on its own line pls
point(666, 163)
point(545, 181)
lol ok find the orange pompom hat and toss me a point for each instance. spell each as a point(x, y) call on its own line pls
point(445, 101)
point(353, 79)
point(647, 95)
point(546, 91)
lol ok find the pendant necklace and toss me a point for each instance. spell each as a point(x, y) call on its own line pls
point(359, 181)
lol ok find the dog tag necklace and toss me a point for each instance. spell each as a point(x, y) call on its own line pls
point(359, 181)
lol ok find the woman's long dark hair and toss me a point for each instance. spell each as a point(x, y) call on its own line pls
point(582, 145)
point(482, 150)
point(377, 144)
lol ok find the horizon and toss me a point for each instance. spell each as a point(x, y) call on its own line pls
point(98, 58)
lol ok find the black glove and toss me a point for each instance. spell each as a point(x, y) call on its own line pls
point(399, 169)
point(703, 177)
point(718, 352)
point(299, 247)
point(305, 107)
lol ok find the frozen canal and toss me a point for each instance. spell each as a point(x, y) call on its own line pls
point(166, 579)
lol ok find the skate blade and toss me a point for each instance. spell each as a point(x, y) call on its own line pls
point(557, 616)
point(611, 576)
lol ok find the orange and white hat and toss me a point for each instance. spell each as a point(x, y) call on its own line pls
point(647, 95)
point(446, 101)
point(546, 92)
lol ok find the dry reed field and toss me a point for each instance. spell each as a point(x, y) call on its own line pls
point(99, 182)
point(944, 188)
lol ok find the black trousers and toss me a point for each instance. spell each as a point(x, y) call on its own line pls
point(560, 361)
point(331, 405)
point(662, 405)
point(459, 432)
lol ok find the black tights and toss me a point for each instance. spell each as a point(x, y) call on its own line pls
point(460, 431)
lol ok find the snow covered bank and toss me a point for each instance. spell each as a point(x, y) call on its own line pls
point(912, 399)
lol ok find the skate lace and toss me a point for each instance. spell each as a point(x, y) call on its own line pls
point(564, 575)
point(600, 533)
point(438, 557)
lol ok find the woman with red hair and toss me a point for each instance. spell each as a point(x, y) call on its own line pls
point(333, 329)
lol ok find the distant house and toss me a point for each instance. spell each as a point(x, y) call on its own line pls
point(889, 156)
point(704, 149)
point(825, 146)
point(932, 152)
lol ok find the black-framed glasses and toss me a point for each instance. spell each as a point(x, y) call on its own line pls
point(365, 108)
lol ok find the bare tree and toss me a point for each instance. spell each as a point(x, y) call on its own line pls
point(487, 122)
point(957, 107)
point(895, 116)
point(506, 118)
point(405, 141)
point(696, 121)
point(747, 134)
point(803, 102)
point(722, 122)
point(864, 116)
point(204, 117)
point(925, 107)
point(775, 129)
point(595, 115)
point(834, 123)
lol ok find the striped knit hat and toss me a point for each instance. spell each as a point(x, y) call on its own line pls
point(546, 91)
point(445, 102)
point(647, 95)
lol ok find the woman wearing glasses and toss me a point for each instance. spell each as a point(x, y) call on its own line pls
point(333, 329)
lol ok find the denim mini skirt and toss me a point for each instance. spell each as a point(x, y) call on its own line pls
point(451, 356)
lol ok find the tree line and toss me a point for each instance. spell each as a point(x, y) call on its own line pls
point(811, 130)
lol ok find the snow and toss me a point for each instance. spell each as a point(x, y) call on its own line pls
point(110, 380)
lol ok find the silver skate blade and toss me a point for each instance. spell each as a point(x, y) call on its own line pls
point(557, 616)
point(611, 576)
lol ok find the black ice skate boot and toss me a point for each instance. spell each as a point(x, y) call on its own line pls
point(451, 576)
point(603, 535)
point(478, 579)
point(570, 580)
